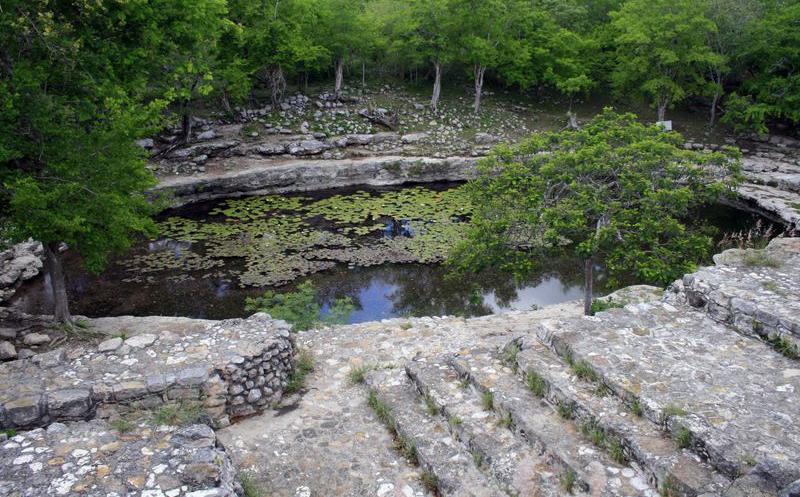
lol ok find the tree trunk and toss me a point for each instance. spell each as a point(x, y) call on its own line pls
point(713, 118)
point(186, 123)
point(277, 84)
point(437, 85)
point(662, 109)
point(479, 71)
point(57, 283)
point(337, 90)
point(588, 270)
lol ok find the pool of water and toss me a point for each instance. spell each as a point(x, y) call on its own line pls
point(380, 247)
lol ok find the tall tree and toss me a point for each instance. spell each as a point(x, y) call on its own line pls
point(431, 34)
point(771, 82)
point(733, 20)
point(341, 31)
point(69, 167)
point(483, 31)
point(615, 192)
point(662, 51)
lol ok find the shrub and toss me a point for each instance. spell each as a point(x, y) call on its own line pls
point(301, 308)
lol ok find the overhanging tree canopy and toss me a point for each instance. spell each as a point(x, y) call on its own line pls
point(615, 192)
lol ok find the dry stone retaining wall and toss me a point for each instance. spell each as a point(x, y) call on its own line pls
point(231, 368)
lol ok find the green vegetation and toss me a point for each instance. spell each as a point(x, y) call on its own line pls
point(683, 437)
point(565, 409)
point(250, 486)
point(568, 480)
point(505, 420)
point(510, 354)
point(669, 487)
point(303, 366)
point(300, 308)
point(487, 400)
point(429, 481)
point(122, 424)
point(430, 405)
point(615, 192)
point(784, 346)
point(760, 258)
point(181, 414)
point(357, 374)
point(600, 305)
point(536, 384)
point(584, 371)
point(636, 407)
point(455, 421)
point(673, 410)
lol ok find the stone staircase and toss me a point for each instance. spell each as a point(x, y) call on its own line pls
point(670, 397)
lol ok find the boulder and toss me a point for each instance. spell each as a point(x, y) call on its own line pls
point(35, 339)
point(207, 135)
point(7, 351)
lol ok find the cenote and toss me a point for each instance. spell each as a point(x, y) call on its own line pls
point(382, 247)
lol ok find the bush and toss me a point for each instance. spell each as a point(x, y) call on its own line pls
point(301, 308)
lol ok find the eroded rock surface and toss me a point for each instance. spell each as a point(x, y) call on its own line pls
point(18, 264)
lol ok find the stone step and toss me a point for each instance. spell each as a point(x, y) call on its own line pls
point(613, 423)
point(729, 397)
point(545, 430)
point(511, 463)
point(757, 292)
point(426, 438)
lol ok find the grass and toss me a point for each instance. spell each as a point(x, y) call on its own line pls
point(565, 409)
point(477, 458)
point(601, 305)
point(760, 258)
point(406, 326)
point(615, 450)
point(303, 365)
point(431, 406)
point(584, 371)
point(636, 408)
point(357, 374)
point(568, 480)
point(384, 413)
point(487, 400)
point(455, 421)
point(9, 433)
point(123, 425)
point(602, 390)
point(505, 420)
point(250, 488)
point(784, 346)
point(683, 438)
point(594, 432)
point(181, 414)
point(668, 487)
point(430, 482)
point(673, 410)
point(464, 382)
point(536, 384)
point(771, 286)
point(510, 356)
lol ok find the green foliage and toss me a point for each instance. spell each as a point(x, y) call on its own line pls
point(429, 481)
point(250, 486)
point(784, 346)
point(122, 424)
point(760, 258)
point(303, 366)
point(568, 480)
point(584, 371)
point(536, 384)
point(600, 305)
point(510, 354)
point(683, 438)
point(357, 374)
point(636, 407)
point(662, 50)
point(616, 192)
point(673, 410)
point(487, 400)
point(181, 414)
point(300, 308)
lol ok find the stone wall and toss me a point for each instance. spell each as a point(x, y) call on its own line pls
point(230, 368)
point(18, 264)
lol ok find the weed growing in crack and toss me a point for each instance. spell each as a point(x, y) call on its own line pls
point(536, 384)
point(487, 400)
point(683, 438)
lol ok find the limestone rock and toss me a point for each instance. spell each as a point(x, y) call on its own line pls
point(7, 351)
point(141, 341)
point(35, 339)
point(110, 345)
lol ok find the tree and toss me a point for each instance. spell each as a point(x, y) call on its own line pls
point(341, 32)
point(771, 86)
point(615, 193)
point(733, 19)
point(431, 38)
point(484, 36)
point(69, 167)
point(662, 51)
